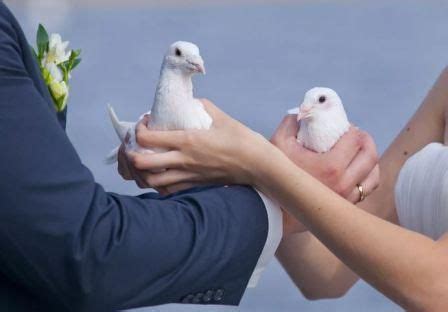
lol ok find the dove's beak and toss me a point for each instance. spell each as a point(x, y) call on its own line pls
point(200, 68)
point(197, 66)
point(304, 113)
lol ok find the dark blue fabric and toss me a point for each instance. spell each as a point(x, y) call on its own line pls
point(67, 245)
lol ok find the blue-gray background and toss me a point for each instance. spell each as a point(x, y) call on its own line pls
point(381, 57)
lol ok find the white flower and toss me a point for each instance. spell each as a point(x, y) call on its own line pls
point(58, 89)
point(57, 51)
point(56, 63)
point(55, 72)
point(59, 92)
point(56, 55)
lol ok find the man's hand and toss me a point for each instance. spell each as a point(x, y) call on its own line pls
point(351, 162)
point(129, 172)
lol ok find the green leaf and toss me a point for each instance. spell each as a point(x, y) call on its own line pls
point(75, 53)
point(34, 54)
point(65, 64)
point(59, 103)
point(46, 75)
point(64, 67)
point(76, 63)
point(42, 40)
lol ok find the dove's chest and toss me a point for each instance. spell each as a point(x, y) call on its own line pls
point(321, 136)
point(180, 115)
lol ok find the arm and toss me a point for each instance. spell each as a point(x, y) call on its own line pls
point(314, 269)
point(407, 267)
point(417, 284)
point(72, 244)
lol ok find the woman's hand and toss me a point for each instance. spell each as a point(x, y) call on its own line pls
point(351, 162)
point(228, 153)
point(225, 154)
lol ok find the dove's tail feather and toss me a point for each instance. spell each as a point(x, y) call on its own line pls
point(112, 158)
point(115, 121)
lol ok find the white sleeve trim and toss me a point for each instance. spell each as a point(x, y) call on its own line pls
point(275, 233)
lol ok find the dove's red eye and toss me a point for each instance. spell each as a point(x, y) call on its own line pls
point(178, 52)
point(322, 99)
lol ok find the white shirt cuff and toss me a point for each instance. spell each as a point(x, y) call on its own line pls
point(275, 233)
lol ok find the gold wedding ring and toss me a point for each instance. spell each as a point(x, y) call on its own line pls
point(362, 195)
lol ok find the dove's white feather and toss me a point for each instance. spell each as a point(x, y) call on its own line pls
point(293, 111)
point(122, 128)
point(174, 107)
point(112, 157)
point(322, 120)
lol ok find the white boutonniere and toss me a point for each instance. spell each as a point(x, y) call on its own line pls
point(56, 63)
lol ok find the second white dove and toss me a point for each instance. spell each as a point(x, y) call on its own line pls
point(322, 119)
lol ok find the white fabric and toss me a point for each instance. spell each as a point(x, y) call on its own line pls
point(421, 192)
point(275, 233)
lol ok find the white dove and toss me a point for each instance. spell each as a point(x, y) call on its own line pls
point(174, 107)
point(322, 119)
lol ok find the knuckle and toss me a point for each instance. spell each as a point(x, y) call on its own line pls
point(367, 140)
point(189, 140)
point(150, 180)
point(153, 181)
point(138, 162)
point(184, 164)
point(338, 190)
point(343, 189)
point(362, 139)
point(140, 136)
point(374, 158)
point(332, 172)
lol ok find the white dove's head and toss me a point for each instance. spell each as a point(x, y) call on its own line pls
point(185, 56)
point(322, 120)
point(320, 101)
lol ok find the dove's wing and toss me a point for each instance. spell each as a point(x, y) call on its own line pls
point(121, 127)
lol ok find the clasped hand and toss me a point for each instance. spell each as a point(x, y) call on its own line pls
point(231, 153)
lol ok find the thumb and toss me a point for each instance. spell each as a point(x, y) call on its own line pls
point(288, 127)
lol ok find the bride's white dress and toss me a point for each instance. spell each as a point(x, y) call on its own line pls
point(421, 192)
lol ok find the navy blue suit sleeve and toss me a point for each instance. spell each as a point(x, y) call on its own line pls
point(70, 243)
